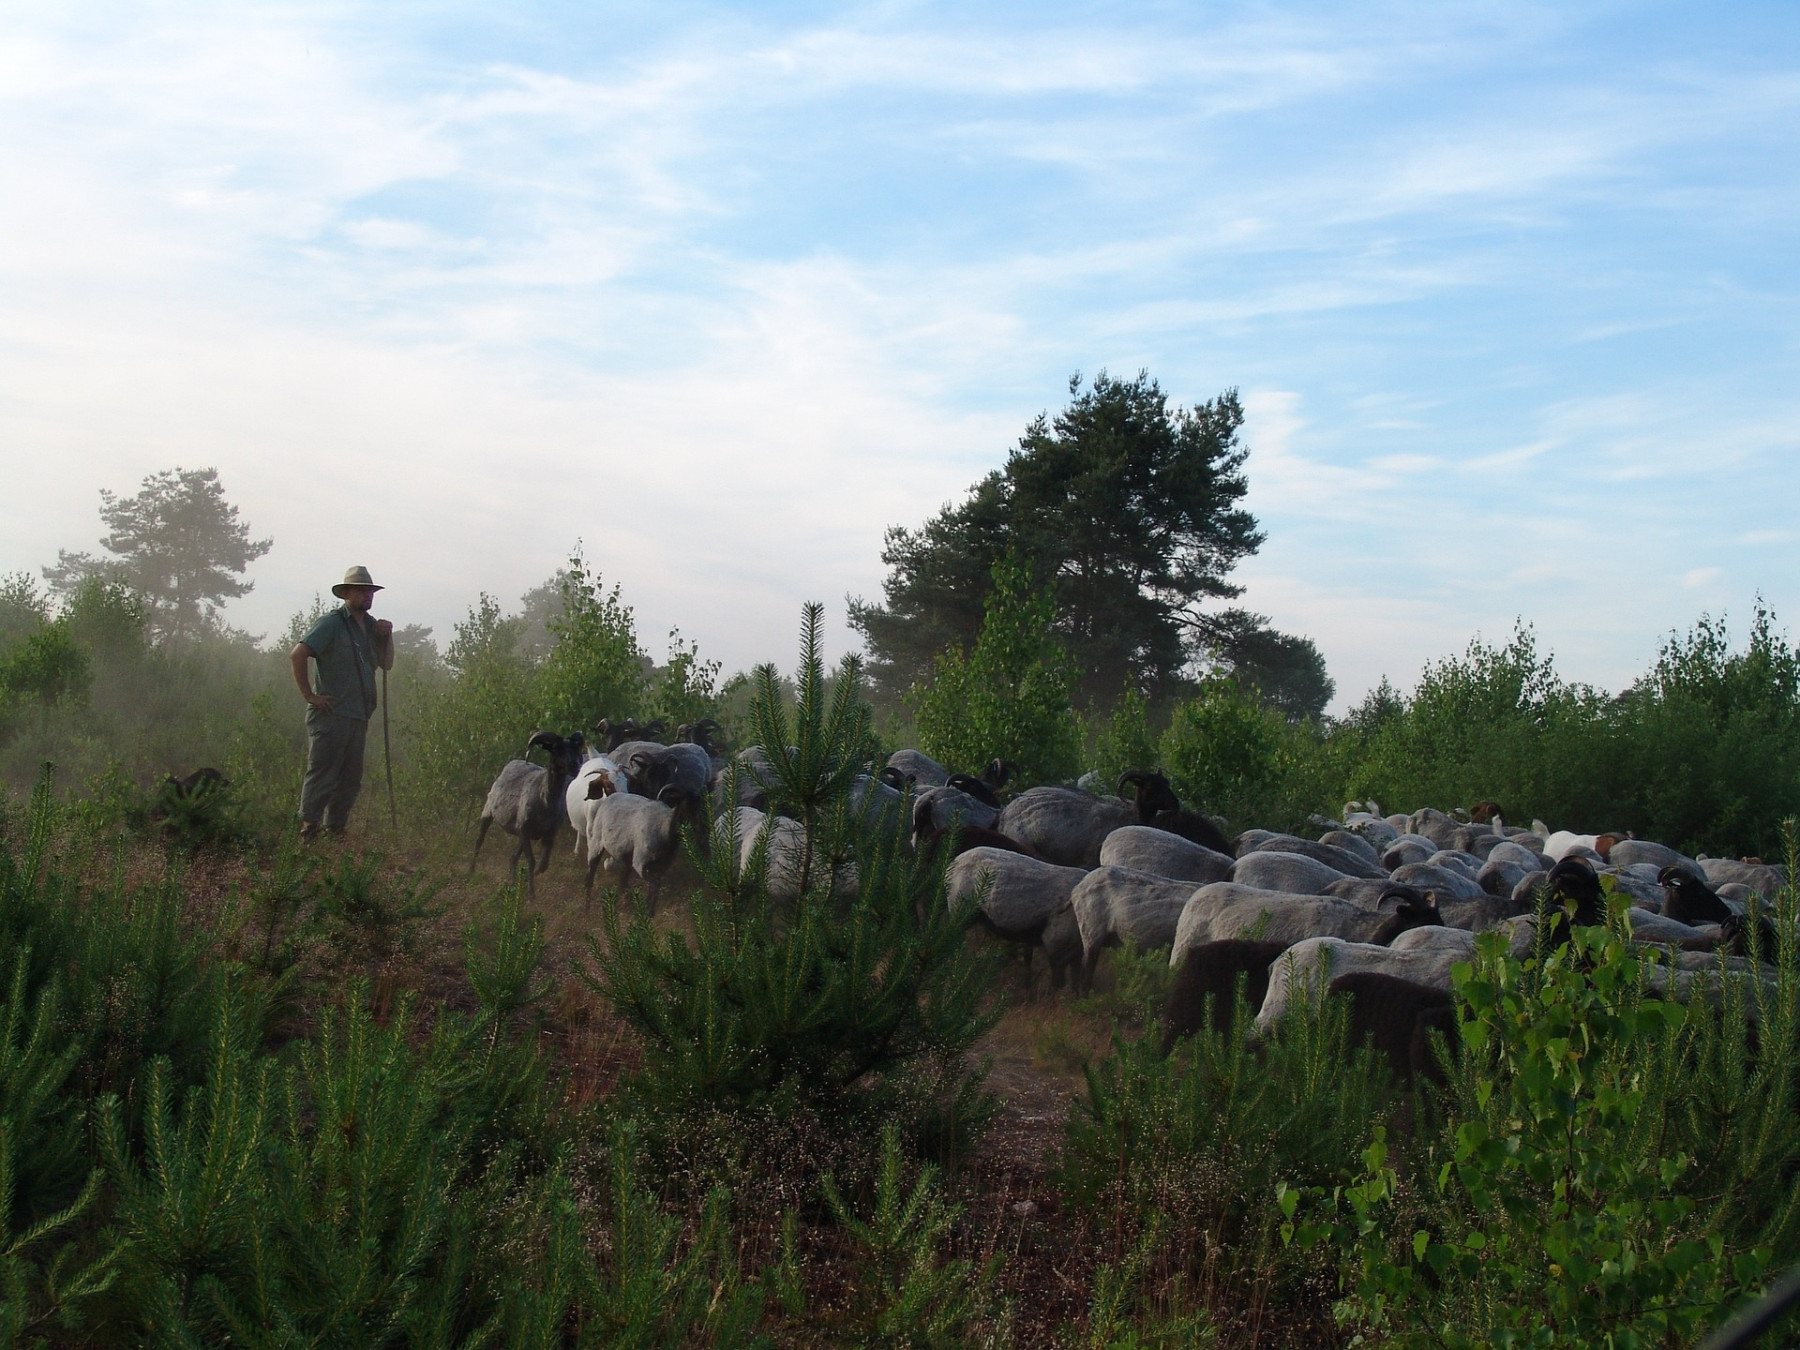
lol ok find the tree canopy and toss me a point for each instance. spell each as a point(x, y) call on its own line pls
point(1127, 507)
point(177, 544)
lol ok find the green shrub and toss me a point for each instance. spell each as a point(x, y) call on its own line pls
point(1008, 698)
point(375, 909)
point(1613, 1167)
point(595, 669)
point(458, 735)
point(904, 1293)
point(1232, 755)
point(1188, 1145)
point(1124, 741)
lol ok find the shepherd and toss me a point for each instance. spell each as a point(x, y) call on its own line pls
point(349, 647)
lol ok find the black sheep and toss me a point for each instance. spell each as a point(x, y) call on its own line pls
point(1159, 808)
point(1210, 976)
point(1394, 1015)
point(1687, 898)
point(1411, 910)
point(1574, 891)
point(1735, 933)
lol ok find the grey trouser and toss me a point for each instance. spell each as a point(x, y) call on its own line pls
point(334, 767)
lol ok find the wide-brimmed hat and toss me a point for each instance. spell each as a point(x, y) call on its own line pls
point(356, 576)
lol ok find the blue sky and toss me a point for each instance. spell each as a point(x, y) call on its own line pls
point(1510, 294)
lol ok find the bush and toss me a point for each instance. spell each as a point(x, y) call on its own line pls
point(1613, 1167)
point(1008, 698)
point(595, 669)
point(1179, 1151)
point(1235, 756)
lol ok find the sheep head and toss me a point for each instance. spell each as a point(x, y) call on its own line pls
point(898, 781)
point(614, 734)
point(600, 786)
point(1735, 935)
point(1411, 910)
point(999, 773)
point(1688, 898)
point(924, 823)
point(699, 733)
point(975, 788)
point(1153, 792)
point(1576, 885)
point(565, 754)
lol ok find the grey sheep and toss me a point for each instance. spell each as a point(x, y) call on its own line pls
point(1405, 850)
point(1641, 852)
point(527, 801)
point(685, 767)
point(786, 852)
point(1422, 955)
point(1227, 910)
point(1144, 848)
point(1450, 883)
point(1290, 873)
point(1354, 844)
point(1065, 826)
point(1761, 877)
point(1112, 904)
point(1026, 901)
point(1343, 861)
point(951, 806)
point(921, 768)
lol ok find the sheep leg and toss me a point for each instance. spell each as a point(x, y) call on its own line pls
point(524, 851)
point(1090, 961)
point(587, 892)
point(652, 885)
point(549, 844)
point(1030, 983)
point(479, 837)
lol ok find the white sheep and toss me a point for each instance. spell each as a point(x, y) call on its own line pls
point(578, 805)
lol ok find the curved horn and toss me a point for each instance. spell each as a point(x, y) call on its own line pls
point(549, 740)
point(1136, 777)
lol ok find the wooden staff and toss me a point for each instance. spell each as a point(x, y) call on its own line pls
point(387, 752)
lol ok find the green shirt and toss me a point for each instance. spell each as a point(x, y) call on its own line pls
point(345, 655)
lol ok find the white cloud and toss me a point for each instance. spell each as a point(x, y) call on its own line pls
point(728, 301)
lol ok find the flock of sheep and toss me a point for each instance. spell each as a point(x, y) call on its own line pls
point(1377, 907)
